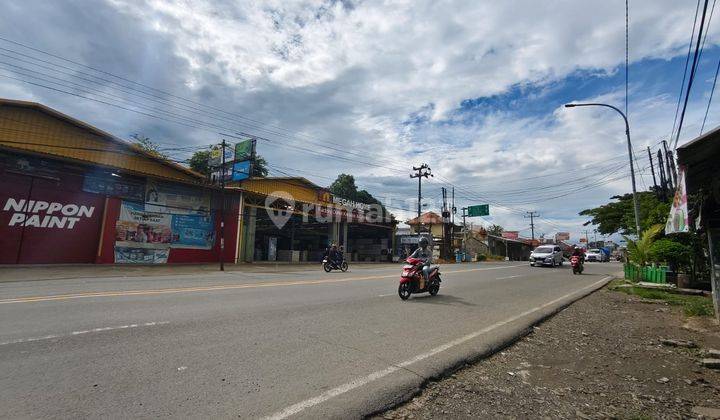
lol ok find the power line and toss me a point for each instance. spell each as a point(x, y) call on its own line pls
point(693, 70)
point(687, 61)
point(712, 91)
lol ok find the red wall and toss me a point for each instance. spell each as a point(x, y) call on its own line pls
point(69, 241)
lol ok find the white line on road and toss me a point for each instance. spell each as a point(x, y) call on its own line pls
point(358, 382)
point(74, 333)
point(509, 277)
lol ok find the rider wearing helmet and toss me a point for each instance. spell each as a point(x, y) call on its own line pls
point(423, 252)
point(335, 255)
point(577, 252)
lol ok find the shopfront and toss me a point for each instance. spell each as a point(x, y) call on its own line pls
point(294, 220)
point(70, 193)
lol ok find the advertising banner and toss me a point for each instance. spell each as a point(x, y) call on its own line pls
point(678, 219)
point(141, 236)
point(193, 231)
point(125, 255)
point(508, 234)
point(215, 156)
point(244, 150)
point(241, 170)
point(562, 236)
point(176, 199)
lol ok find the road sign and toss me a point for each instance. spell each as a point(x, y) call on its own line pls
point(479, 210)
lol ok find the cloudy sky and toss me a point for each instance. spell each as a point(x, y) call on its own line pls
point(473, 88)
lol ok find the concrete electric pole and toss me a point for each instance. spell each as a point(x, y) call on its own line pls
point(423, 171)
point(532, 215)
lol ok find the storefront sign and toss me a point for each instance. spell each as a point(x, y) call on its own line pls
point(351, 204)
point(114, 186)
point(43, 214)
point(678, 219)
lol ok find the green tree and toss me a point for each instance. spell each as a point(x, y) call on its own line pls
point(259, 168)
point(619, 216)
point(674, 254)
point(199, 162)
point(147, 145)
point(495, 230)
point(639, 251)
point(344, 186)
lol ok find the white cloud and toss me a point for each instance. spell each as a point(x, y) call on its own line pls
point(352, 75)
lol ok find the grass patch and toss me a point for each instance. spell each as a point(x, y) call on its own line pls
point(692, 305)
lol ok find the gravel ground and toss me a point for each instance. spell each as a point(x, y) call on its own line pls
point(600, 358)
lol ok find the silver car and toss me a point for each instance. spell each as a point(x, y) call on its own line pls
point(546, 255)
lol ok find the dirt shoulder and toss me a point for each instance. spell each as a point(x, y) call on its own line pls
point(601, 357)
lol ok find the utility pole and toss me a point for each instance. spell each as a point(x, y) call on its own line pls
point(222, 209)
point(532, 215)
point(652, 169)
point(446, 225)
point(663, 178)
point(422, 171)
point(587, 240)
point(595, 237)
point(454, 209)
point(464, 215)
point(669, 174)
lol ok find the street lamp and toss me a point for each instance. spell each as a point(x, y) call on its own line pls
point(632, 167)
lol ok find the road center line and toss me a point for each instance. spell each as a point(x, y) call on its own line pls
point(146, 292)
point(75, 333)
point(363, 380)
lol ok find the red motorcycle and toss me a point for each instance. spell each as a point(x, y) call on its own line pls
point(576, 264)
point(412, 280)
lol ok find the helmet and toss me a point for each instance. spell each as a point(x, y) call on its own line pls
point(423, 242)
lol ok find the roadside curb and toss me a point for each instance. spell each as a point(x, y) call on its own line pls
point(491, 348)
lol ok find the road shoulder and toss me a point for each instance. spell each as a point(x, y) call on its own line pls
point(601, 357)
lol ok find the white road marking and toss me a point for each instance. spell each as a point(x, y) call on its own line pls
point(364, 380)
point(74, 333)
point(389, 294)
point(509, 277)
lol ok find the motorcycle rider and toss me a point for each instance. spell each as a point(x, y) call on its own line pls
point(423, 252)
point(335, 256)
point(577, 252)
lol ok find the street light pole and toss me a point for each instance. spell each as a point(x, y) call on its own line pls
point(630, 154)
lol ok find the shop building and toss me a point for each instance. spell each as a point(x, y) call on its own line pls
point(291, 219)
point(71, 193)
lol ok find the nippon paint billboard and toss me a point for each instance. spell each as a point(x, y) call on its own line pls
point(41, 223)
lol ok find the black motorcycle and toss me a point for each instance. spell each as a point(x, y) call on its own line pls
point(329, 265)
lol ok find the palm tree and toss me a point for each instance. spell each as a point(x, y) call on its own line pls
point(639, 251)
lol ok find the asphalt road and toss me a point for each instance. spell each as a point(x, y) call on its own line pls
point(302, 344)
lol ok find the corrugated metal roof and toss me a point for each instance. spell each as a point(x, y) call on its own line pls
point(33, 127)
point(299, 188)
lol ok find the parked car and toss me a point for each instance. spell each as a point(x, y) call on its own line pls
point(594, 255)
point(546, 255)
